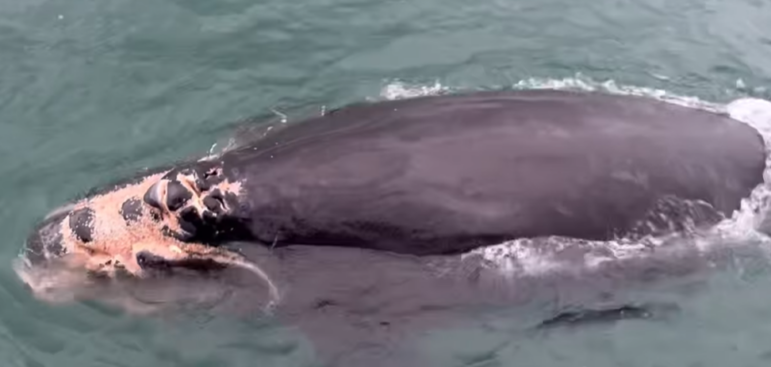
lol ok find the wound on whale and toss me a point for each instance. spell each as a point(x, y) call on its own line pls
point(435, 175)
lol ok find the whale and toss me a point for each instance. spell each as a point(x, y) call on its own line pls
point(383, 191)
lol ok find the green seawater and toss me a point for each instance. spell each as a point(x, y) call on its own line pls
point(91, 90)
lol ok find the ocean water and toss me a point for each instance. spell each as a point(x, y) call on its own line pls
point(91, 90)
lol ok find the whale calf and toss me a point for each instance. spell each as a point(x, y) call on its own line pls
point(416, 179)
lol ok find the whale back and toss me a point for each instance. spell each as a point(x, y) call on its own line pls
point(450, 173)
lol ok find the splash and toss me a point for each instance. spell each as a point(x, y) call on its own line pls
point(756, 113)
point(581, 83)
point(401, 90)
point(537, 256)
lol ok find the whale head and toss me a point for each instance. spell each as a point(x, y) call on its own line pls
point(156, 223)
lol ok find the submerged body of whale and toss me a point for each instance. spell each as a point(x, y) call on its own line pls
point(382, 192)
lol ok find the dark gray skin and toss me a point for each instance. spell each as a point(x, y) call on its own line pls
point(444, 175)
point(378, 194)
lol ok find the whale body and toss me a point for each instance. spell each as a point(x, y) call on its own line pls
point(415, 182)
point(437, 175)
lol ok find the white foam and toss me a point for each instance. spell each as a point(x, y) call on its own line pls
point(756, 113)
point(543, 255)
point(399, 90)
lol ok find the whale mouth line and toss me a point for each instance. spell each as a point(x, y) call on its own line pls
point(149, 261)
point(202, 257)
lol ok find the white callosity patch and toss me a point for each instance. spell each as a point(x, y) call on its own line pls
point(113, 244)
point(536, 256)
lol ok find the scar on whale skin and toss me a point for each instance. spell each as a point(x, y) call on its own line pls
point(126, 230)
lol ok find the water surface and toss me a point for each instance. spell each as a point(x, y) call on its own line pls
point(91, 90)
